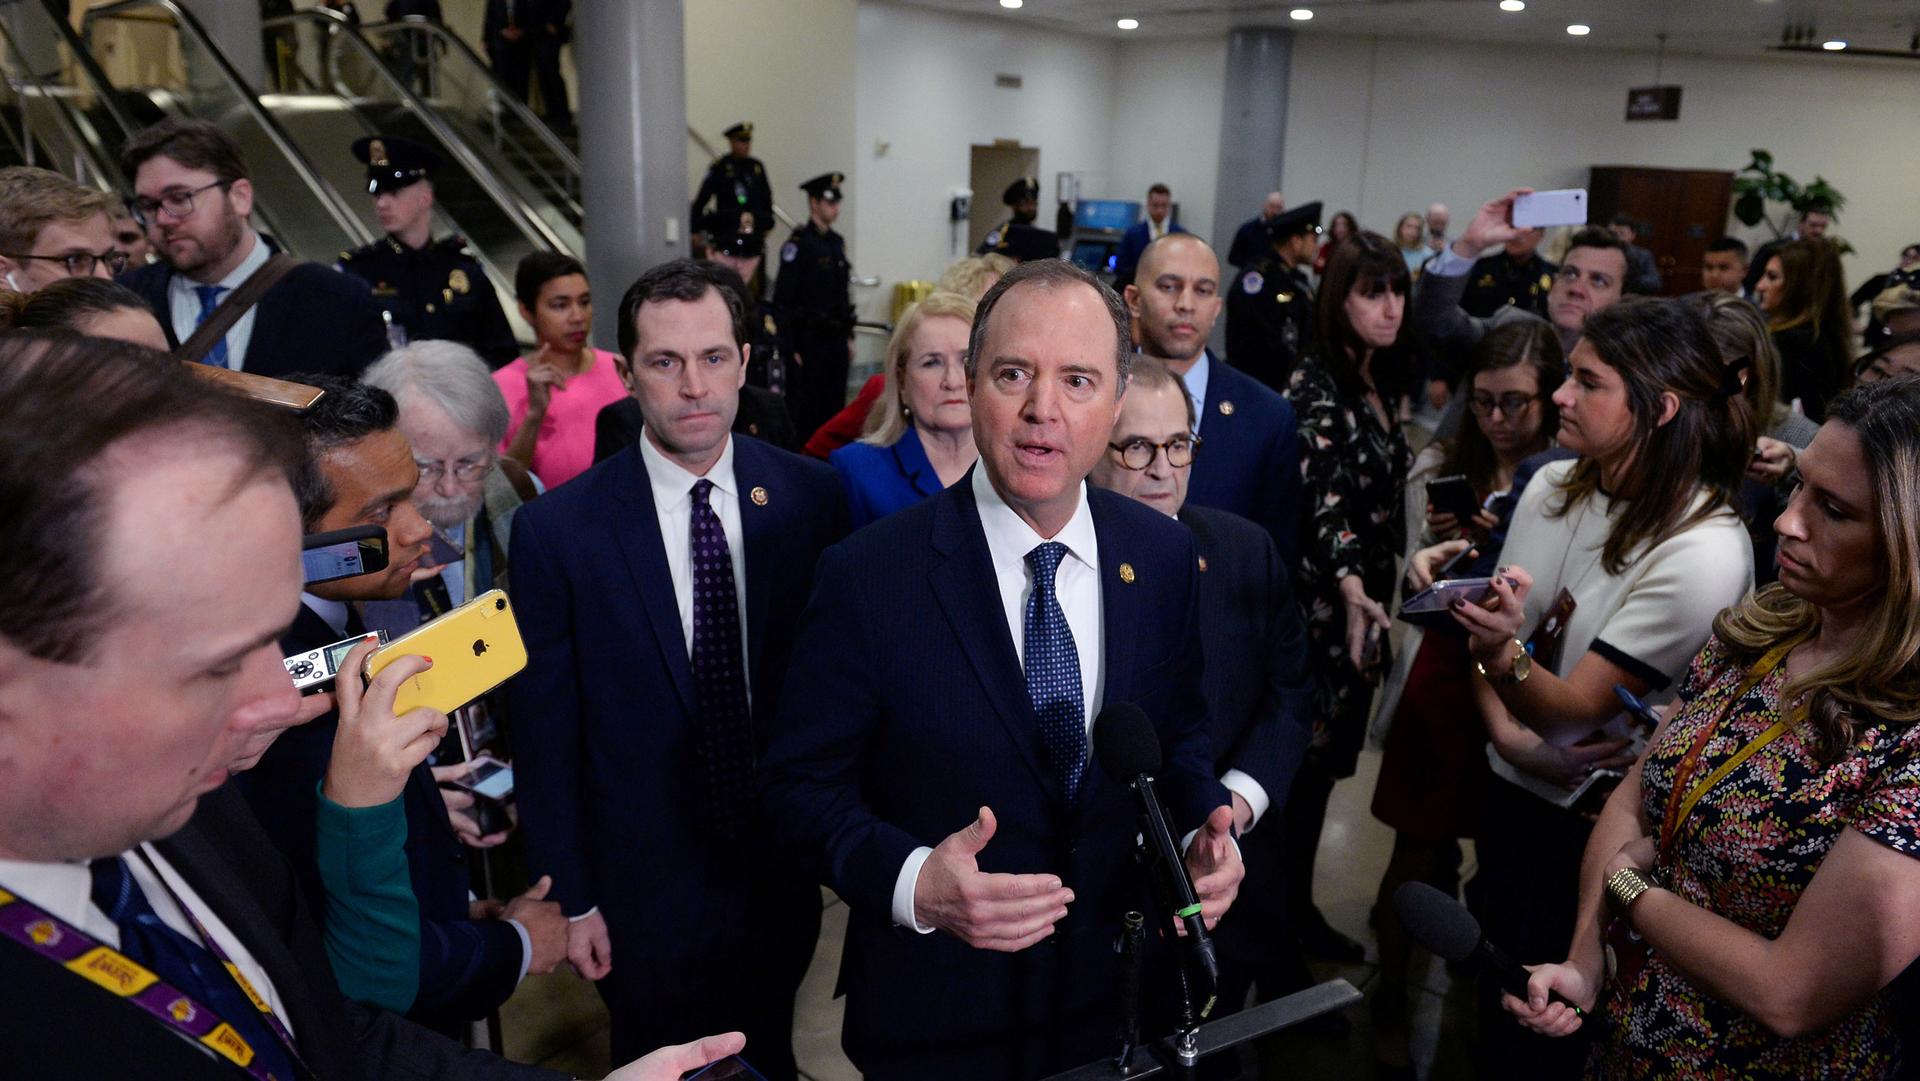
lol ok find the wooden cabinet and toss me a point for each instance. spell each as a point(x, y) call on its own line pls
point(1684, 210)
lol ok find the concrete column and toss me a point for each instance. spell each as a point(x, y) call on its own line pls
point(234, 26)
point(1253, 125)
point(633, 142)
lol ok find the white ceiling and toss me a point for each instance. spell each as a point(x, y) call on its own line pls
point(1740, 27)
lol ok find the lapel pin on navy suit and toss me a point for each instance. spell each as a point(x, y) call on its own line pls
point(758, 495)
point(1203, 564)
point(1126, 573)
point(1226, 409)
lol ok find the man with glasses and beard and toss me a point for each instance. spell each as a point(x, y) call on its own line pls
point(192, 193)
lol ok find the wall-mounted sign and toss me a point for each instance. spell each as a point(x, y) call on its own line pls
point(1653, 103)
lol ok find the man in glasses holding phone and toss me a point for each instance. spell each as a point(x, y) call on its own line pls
point(52, 228)
point(224, 290)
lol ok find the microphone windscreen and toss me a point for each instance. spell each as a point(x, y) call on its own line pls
point(1437, 921)
point(1125, 743)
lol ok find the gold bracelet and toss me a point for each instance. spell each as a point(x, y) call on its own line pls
point(1624, 887)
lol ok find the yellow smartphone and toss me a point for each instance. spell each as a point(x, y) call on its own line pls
point(475, 648)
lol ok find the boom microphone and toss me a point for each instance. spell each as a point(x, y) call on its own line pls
point(1444, 926)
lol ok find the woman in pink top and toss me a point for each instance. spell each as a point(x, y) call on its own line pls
point(555, 394)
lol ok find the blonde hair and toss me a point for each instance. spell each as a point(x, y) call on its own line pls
point(1879, 678)
point(32, 199)
point(888, 420)
point(971, 276)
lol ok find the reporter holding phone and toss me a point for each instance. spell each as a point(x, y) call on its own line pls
point(1756, 873)
point(1639, 534)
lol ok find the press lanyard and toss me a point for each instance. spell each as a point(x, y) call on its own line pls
point(1679, 806)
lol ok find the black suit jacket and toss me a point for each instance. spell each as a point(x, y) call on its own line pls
point(62, 1026)
point(315, 319)
point(467, 967)
point(907, 711)
point(1249, 458)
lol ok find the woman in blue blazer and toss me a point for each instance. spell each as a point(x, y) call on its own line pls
point(919, 438)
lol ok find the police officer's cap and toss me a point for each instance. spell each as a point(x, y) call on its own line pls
point(1020, 191)
point(725, 235)
point(393, 163)
point(825, 186)
point(1304, 218)
point(742, 130)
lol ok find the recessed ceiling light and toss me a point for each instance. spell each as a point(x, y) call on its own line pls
point(1300, 15)
point(1513, 5)
point(1578, 30)
point(1128, 24)
point(1011, 3)
point(1833, 46)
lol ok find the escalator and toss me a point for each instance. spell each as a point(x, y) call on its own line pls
point(55, 113)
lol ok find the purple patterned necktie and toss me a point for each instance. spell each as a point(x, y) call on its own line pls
point(719, 677)
point(1053, 673)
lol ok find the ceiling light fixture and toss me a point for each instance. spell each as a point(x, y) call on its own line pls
point(1833, 46)
point(1300, 15)
point(1513, 5)
point(1579, 30)
point(1128, 24)
point(1011, 5)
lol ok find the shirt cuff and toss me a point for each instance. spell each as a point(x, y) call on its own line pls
point(594, 911)
point(1448, 264)
point(903, 891)
point(1249, 790)
point(526, 949)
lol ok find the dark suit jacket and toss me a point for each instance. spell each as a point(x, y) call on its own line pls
point(467, 967)
point(1249, 459)
point(1256, 650)
point(1132, 243)
point(611, 782)
point(68, 1028)
point(907, 711)
point(762, 414)
point(315, 319)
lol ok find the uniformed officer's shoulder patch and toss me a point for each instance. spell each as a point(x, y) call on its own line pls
point(787, 253)
point(993, 239)
point(1253, 282)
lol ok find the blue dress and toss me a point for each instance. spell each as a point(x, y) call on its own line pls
point(881, 480)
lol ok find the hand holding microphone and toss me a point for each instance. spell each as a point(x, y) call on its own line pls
point(1545, 998)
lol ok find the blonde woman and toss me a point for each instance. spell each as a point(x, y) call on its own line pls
point(919, 436)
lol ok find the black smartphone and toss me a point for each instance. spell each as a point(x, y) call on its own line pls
point(731, 1068)
point(1460, 562)
point(1455, 496)
point(343, 553)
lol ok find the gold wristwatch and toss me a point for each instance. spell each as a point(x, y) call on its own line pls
point(1521, 668)
point(1625, 886)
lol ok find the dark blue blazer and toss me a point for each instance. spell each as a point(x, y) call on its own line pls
point(1249, 460)
point(1132, 243)
point(881, 480)
point(610, 779)
point(315, 319)
point(467, 967)
point(907, 711)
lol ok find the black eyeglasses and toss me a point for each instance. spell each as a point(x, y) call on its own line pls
point(1511, 405)
point(80, 264)
point(1138, 453)
point(177, 204)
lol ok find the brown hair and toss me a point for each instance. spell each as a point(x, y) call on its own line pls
point(1879, 679)
point(1527, 342)
point(65, 403)
point(65, 303)
point(1052, 274)
point(1152, 373)
point(32, 199)
point(1361, 263)
point(195, 144)
point(1740, 331)
point(1661, 347)
point(1813, 293)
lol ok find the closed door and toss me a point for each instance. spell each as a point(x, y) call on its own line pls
point(992, 170)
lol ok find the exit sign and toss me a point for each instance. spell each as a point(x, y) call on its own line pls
point(1653, 103)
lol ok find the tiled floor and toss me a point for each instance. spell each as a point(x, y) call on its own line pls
point(557, 1021)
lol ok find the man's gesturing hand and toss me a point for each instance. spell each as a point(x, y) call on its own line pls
point(1214, 862)
point(986, 911)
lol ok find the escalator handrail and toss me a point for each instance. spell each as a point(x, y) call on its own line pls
point(530, 224)
point(101, 87)
point(98, 161)
point(518, 108)
point(184, 20)
point(713, 155)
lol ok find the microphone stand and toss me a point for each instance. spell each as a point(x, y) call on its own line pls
point(1163, 1057)
point(1133, 942)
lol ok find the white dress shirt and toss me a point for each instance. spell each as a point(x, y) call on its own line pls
point(66, 890)
point(673, 504)
point(1076, 584)
point(1158, 229)
point(183, 303)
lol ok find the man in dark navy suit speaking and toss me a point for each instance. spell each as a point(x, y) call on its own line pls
point(932, 754)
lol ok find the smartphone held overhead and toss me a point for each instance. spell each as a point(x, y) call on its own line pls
point(1544, 209)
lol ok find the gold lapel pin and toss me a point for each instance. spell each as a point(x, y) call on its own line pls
point(1203, 564)
point(1126, 573)
point(759, 496)
point(1226, 409)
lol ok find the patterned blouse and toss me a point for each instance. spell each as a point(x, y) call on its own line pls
point(1747, 852)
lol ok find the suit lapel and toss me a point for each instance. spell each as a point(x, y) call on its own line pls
point(966, 587)
point(1121, 600)
point(636, 528)
point(760, 519)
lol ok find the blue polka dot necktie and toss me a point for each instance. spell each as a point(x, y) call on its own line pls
point(719, 672)
point(209, 300)
point(1053, 673)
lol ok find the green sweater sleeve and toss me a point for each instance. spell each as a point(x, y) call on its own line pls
point(372, 922)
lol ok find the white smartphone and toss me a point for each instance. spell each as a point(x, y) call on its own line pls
point(1567, 206)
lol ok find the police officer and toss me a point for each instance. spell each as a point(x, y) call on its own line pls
point(741, 252)
point(1270, 304)
point(815, 308)
point(1018, 238)
point(736, 185)
point(1515, 275)
point(427, 289)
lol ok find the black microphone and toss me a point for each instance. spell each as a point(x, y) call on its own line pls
point(1129, 750)
point(1444, 926)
